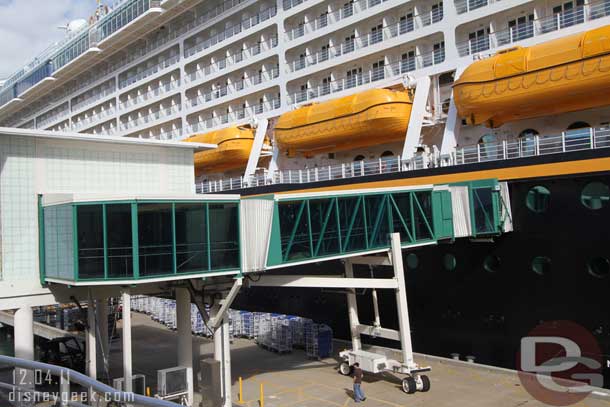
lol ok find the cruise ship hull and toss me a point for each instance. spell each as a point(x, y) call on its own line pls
point(491, 293)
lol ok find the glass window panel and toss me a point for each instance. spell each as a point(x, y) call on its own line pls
point(155, 239)
point(118, 226)
point(50, 241)
point(377, 221)
point(191, 238)
point(422, 231)
point(483, 210)
point(323, 218)
point(403, 203)
point(352, 213)
point(300, 246)
point(90, 241)
point(224, 236)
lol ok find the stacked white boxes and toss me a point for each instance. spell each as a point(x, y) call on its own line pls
point(318, 340)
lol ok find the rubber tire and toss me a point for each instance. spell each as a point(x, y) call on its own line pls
point(345, 369)
point(425, 380)
point(408, 385)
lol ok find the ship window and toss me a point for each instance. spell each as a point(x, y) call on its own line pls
point(359, 158)
point(578, 125)
point(541, 265)
point(449, 262)
point(599, 267)
point(412, 261)
point(595, 195)
point(528, 142)
point(492, 263)
point(387, 154)
point(537, 199)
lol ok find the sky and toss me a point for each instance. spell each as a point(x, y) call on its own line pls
point(28, 27)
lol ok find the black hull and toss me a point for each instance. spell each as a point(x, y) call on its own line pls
point(473, 311)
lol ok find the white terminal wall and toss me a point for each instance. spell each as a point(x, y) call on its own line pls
point(32, 165)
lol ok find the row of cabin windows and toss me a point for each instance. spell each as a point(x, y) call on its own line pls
point(530, 133)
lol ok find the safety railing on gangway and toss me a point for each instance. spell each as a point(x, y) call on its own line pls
point(66, 376)
point(530, 146)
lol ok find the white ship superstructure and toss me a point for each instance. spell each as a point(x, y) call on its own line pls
point(169, 69)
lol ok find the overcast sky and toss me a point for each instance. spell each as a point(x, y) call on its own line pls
point(28, 27)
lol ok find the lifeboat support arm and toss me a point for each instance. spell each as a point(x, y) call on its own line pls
point(453, 124)
point(413, 136)
point(257, 146)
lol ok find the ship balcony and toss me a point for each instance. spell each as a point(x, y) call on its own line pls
point(230, 32)
point(92, 240)
point(535, 28)
point(93, 119)
point(94, 96)
point(156, 116)
point(353, 8)
point(238, 116)
point(231, 60)
point(357, 43)
point(52, 118)
point(157, 92)
point(395, 70)
point(234, 87)
point(160, 66)
point(466, 6)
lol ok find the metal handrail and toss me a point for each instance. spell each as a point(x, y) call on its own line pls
point(568, 141)
point(69, 375)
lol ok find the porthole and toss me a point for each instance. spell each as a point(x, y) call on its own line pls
point(537, 199)
point(449, 262)
point(492, 263)
point(412, 261)
point(541, 265)
point(599, 267)
point(595, 195)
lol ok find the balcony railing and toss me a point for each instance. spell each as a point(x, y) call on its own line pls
point(131, 79)
point(348, 10)
point(232, 59)
point(231, 31)
point(153, 93)
point(574, 140)
point(385, 34)
point(64, 113)
point(151, 117)
point(93, 97)
point(78, 125)
point(465, 6)
point(394, 70)
point(559, 21)
point(236, 115)
point(234, 87)
point(288, 4)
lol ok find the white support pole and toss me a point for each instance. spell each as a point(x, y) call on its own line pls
point(91, 343)
point(226, 362)
point(127, 371)
point(101, 310)
point(185, 341)
point(401, 302)
point(257, 147)
point(454, 124)
point(218, 342)
point(418, 110)
point(377, 322)
point(24, 346)
point(352, 305)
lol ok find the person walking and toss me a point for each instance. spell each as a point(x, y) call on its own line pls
point(358, 393)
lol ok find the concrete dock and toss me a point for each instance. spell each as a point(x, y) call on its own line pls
point(294, 380)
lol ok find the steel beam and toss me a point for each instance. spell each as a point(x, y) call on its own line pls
point(324, 282)
point(216, 321)
point(372, 260)
point(257, 146)
point(418, 110)
point(378, 332)
point(454, 124)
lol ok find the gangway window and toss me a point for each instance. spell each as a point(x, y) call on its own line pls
point(89, 241)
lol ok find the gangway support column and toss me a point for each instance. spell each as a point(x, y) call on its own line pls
point(352, 305)
point(24, 346)
point(257, 147)
point(401, 301)
point(101, 310)
point(126, 336)
point(420, 101)
point(185, 341)
point(91, 342)
point(454, 124)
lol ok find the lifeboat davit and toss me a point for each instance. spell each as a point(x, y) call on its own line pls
point(564, 75)
point(234, 145)
point(364, 119)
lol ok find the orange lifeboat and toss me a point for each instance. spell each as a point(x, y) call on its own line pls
point(564, 75)
point(372, 117)
point(234, 145)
